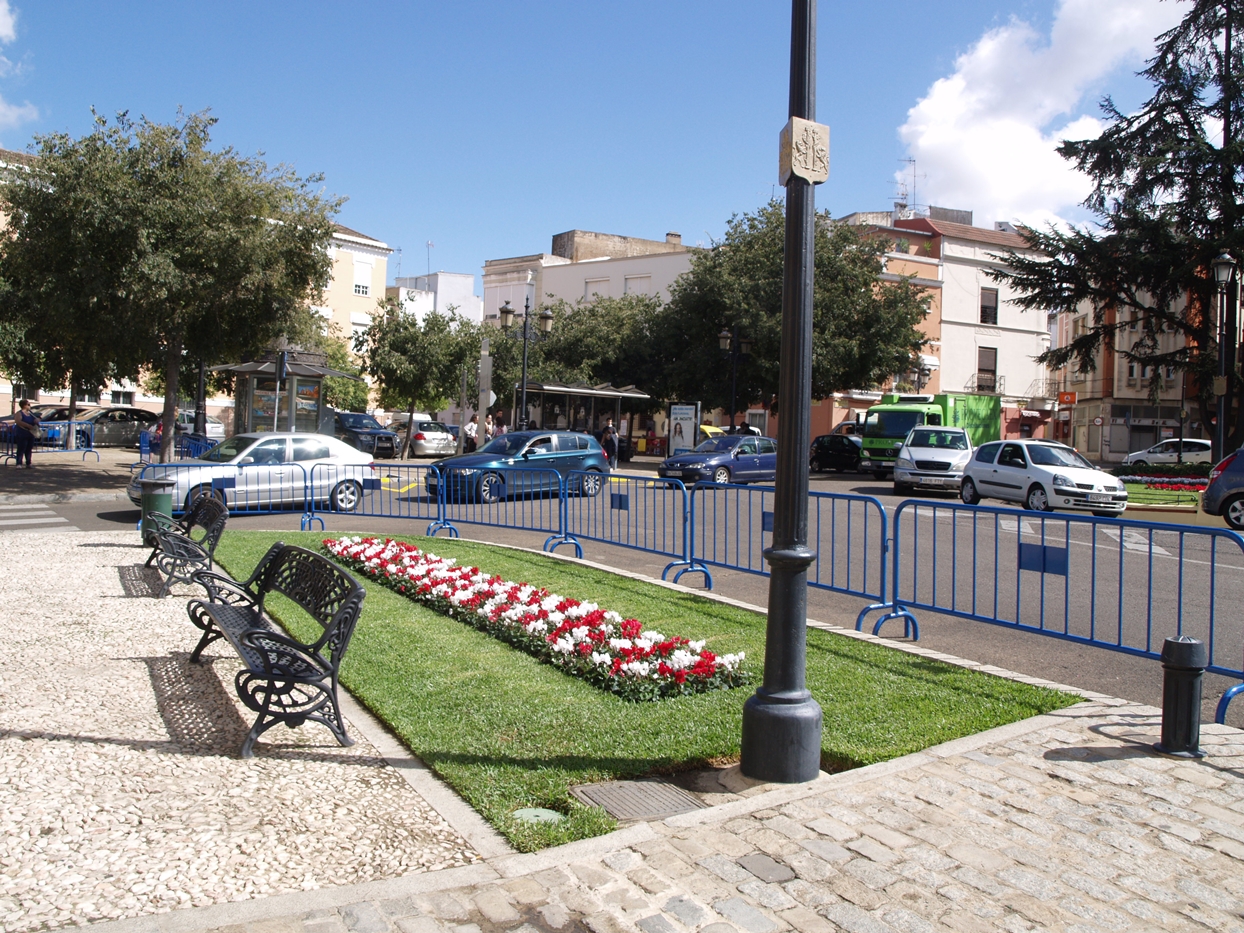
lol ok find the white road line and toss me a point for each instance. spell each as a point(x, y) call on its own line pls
point(27, 531)
point(25, 508)
point(33, 521)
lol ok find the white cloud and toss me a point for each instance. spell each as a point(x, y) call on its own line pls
point(985, 136)
point(8, 22)
point(12, 115)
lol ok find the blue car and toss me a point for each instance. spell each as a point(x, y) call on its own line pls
point(728, 458)
point(363, 432)
point(523, 463)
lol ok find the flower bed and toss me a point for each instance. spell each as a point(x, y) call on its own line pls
point(595, 644)
point(1169, 481)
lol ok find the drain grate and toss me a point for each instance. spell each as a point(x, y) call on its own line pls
point(638, 800)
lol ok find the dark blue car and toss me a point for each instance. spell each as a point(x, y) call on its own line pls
point(363, 432)
point(725, 459)
point(523, 463)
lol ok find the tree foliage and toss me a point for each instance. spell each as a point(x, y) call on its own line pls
point(1165, 194)
point(863, 329)
point(136, 244)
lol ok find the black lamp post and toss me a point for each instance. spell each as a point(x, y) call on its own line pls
point(1224, 272)
point(735, 348)
point(546, 326)
point(781, 722)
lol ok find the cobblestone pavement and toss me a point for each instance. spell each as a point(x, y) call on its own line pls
point(1064, 822)
point(121, 792)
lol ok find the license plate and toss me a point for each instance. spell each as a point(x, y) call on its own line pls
point(933, 480)
point(1099, 497)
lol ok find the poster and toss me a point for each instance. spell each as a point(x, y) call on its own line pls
point(683, 423)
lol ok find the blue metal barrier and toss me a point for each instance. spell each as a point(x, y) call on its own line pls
point(189, 448)
point(519, 498)
point(646, 514)
point(728, 524)
point(54, 439)
point(251, 488)
point(393, 490)
point(1114, 583)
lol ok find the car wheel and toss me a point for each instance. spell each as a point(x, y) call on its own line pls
point(590, 484)
point(491, 488)
point(968, 493)
point(1233, 512)
point(721, 475)
point(1037, 500)
point(347, 496)
point(1140, 463)
point(198, 492)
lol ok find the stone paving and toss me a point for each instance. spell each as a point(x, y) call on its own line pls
point(1065, 822)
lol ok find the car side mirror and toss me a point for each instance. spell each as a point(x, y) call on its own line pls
point(526, 453)
point(246, 460)
point(735, 453)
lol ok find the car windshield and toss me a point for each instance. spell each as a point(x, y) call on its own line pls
point(1050, 455)
point(717, 444)
point(891, 423)
point(939, 440)
point(225, 451)
point(507, 445)
point(357, 422)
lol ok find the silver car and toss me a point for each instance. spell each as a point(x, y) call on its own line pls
point(120, 427)
point(432, 439)
point(266, 471)
point(932, 458)
point(1195, 451)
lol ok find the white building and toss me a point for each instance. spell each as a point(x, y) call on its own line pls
point(440, 292)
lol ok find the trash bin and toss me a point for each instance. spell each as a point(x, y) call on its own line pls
point(157, 496)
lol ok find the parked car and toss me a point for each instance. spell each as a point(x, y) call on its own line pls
point(257, 472)
point(491, 473)
point(731, 458)
point(1195, 451)
point(214, 427)
point(848, 427)
point(932, 458)
point(835, 452)
point(120, 426)
point(1224, 495)
point(364, 433)
point(431, 439)
point(1042, 475)
point(49, 413)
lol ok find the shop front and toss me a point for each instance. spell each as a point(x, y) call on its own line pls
point(265, 390)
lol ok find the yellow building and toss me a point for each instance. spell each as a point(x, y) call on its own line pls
point(360, 271)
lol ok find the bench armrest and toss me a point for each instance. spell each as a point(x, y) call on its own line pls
point(285, 657)
point(222, 589)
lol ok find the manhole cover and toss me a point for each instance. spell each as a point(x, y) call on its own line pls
point(638, 800)
point(538, 815)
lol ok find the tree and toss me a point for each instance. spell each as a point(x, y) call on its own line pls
point(415, 364)
point(863, 329)
point(137, 244)
point(1165, 194)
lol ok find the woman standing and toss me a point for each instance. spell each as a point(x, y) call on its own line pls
point(25, 427)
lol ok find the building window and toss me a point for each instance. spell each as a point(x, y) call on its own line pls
point(362, 275)
point(986, 369)
point(361, 289)
point(989, 306)
point(123, 398)
point(91, 398)
point(639, 285)
point(593, 288)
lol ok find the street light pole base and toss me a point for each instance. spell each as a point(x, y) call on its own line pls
point(781, 738)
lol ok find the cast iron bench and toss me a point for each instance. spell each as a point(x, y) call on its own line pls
point(176, 553)
point(283, 680)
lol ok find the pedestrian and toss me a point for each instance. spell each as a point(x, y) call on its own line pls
point(471, 430)
point(501, 427)
point(25, 431)
point(490, 429)
point(609, 441)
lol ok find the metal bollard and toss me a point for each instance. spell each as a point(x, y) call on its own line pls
point(1183, 665)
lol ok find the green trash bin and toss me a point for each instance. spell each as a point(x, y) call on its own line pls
point(157, 496)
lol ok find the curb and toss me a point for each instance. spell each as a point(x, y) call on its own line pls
point(18, 498)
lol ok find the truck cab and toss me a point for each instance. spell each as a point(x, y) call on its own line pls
point(885, 428)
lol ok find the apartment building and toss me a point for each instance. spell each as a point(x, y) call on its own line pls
point(360, 271)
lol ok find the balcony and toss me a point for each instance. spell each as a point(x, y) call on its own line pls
point(985, 383)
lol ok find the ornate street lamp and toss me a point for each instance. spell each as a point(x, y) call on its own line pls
point(1224, 272)
point(735, 348)
point(546, 326)
point(781, 722)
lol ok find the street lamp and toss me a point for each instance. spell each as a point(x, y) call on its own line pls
point(1224, 271)
point(545, 325)
point(735, 348)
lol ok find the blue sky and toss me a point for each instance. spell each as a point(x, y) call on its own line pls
point(486, 127)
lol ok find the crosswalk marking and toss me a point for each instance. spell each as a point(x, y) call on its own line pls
point(29, 518)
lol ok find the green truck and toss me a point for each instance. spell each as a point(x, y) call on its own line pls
point(887, 423)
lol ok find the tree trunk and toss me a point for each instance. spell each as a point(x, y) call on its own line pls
point(71, 440)
point(172, 372)
point(410, 430)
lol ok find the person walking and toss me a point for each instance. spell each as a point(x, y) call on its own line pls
point(25, 430)
point(471, 430)
point(609, 441)
point(490, 429)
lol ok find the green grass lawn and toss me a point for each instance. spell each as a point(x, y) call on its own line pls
point(1140, 494)
point(507, 731)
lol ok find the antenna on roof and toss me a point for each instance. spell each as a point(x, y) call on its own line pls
point(430, 244)
point(906, 192)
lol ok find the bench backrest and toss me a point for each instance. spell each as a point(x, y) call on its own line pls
point(324, 591)
point(210, 514)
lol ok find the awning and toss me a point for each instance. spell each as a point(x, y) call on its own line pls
point(268, 368)
point(1028, 413)
point(604, 390)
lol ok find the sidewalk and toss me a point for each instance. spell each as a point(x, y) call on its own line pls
point(67, 477)
point(123, 805)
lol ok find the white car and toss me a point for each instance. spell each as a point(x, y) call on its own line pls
point(932, 458)
point(1195, 451)
point(1043, 475)
point(214, 427)
point(265, 471)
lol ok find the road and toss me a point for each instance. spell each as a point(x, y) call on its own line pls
point(1119, 584)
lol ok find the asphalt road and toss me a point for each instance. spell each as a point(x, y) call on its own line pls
point(1125, 586)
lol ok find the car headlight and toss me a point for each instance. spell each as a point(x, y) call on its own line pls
point(904, 464)
point(1060, 480)
point(961, 462)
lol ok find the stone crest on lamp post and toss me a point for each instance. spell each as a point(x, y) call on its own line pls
point(803, 151)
